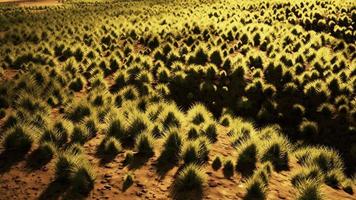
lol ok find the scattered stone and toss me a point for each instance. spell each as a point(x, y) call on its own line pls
point(213, 183)
point(107, 176)
point(108, 167)
point(140, 185)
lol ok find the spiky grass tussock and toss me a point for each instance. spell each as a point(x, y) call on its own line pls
point(2, 113)
point(204, 148)
point(128, 180)
point(40, 121)
point(247, 158)
point(199, 57)
point(241, 131)
point(334, 178)
point(50, 135)
point(216, 58)
point(163, 74)
point(59, 133)
point(76, 171)
point(75, 149)
point(100, 99)
point(217, 163)
point(11, 121)
point(77, 111)
point(306, 173)
point(64, 128)
point(193, 132)
point(43, 154)
point(109, 146)
point(137, 123)
point(210, 131)
point(226, 120)
point(80, 134)
point(309, 189)
point(129, 93)
point(196, 151)
point(156, 130)
point(228, 168)
point(326, 162)
point(19, 139)
point(271, 132)
point(121, 78)
point(190, 153)
point(276, 150)
point(65, 165)
point(316, 92)
point(82, 179)
point(172, 146)
point(145, 145)
point(31, 104)
point(77, 84)
point(347, 186)
point(171, 116)
point(255, 189)
point(263, 173)
point(326, 159)
point(309, 129)
point(116, 126)
point(93, 126)
point(153, 110)
point(198, 114)
point(129, 157)
point(191, 180)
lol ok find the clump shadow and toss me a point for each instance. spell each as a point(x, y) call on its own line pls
point(35, 162)
point(59, 189)
point(10, 158)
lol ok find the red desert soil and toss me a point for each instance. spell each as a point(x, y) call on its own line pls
point(26, 3)
point(19, 182)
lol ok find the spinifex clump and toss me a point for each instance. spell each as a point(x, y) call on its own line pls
point(180, 99)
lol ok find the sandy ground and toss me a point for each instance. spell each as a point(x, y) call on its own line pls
point(19, 182)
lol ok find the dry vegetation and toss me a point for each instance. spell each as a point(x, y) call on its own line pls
point(182, 100)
